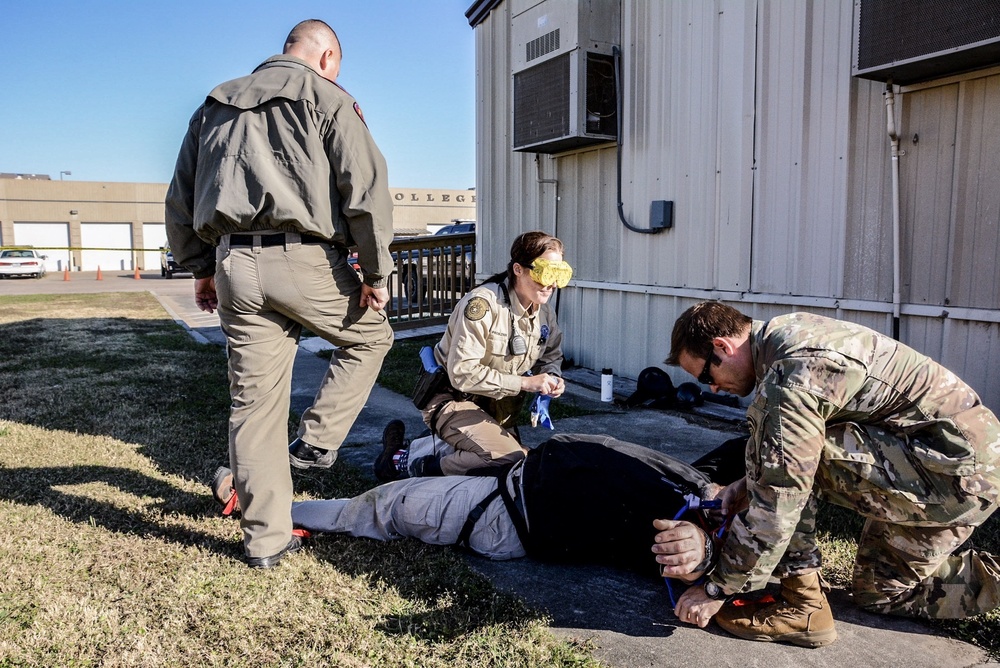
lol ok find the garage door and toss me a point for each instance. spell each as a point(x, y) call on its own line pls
point(154, 235)
point(50, 239)
point(111, 245)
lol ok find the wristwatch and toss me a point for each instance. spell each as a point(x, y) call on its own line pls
point(714, 592)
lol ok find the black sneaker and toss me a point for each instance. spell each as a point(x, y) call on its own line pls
point(385, 468)
point(301, 455)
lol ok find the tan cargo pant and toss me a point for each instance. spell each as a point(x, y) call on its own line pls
point(477, 437)
point(266, 294)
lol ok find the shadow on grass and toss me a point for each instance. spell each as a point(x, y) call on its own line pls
point(143, 382)
point(37, 486)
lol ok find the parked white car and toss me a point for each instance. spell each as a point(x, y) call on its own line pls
point(21, 262)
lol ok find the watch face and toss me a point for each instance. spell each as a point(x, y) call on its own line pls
point(713, 591)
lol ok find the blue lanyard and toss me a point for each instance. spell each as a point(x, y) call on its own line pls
point(693, 503)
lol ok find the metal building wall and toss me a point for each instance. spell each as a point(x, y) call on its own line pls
point(745, 115)
point(804, 76)
point(664, 157)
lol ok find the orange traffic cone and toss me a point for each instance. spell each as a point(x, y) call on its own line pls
point(99, 276)
point(136, 275)
point(66, 273)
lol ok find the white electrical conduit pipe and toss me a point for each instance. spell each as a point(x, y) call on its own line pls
point(894, 144)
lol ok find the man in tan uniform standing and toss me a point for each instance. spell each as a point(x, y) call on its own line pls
point(276, 177)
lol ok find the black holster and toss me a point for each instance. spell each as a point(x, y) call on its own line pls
point(428, 385)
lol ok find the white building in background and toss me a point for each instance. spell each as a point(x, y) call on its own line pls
point(751, 133)
point(119, 226)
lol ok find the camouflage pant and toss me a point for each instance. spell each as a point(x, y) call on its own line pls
point(906, 562)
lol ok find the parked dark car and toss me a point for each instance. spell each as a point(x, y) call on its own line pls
point(464, 227)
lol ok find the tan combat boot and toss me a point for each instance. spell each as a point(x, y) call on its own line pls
point(802, 617)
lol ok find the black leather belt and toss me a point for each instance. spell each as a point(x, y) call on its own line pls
point(237, 240)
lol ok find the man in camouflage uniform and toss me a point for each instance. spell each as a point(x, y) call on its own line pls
point(846, 414)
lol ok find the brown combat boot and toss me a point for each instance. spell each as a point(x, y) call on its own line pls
point(802, 617)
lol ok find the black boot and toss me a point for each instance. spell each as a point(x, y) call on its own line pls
point(387, 465)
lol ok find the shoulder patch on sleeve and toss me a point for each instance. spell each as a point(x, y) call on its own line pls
point(476, 308)
point(357, 109)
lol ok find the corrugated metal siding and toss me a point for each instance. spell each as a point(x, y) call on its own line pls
point(950, 199)
point(587, 219)
point(745, 115)
point(975, 278)
point(926, 174)
point(688, 138)
point(868, 240)
point(803, 104)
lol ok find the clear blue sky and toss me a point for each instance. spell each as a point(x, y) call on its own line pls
point(105, 88)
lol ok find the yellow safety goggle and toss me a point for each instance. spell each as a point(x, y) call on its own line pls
point(547, 272)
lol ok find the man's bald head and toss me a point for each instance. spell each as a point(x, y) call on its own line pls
point(316, 43)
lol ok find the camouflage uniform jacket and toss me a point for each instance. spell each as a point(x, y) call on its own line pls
point(475, 348)
point(821, 382)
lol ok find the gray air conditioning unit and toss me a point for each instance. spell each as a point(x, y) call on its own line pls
point(564, 73)
point(909, 41)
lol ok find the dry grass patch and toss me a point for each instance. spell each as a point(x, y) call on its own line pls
point(112, 423)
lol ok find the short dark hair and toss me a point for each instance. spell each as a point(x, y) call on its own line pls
point(700, 324)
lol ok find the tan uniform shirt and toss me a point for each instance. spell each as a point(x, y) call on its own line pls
point(475, 348)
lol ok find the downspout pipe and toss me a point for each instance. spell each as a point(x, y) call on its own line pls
point(890, 113)
point(620, 99)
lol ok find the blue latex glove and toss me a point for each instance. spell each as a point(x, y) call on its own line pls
point(540, 411)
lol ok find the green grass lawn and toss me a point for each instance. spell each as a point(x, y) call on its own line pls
point(111, 425)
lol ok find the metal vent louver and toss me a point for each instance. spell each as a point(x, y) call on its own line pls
point(537, 48)
point(542, 102)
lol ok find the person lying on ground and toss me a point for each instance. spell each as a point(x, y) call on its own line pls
point(574, 498)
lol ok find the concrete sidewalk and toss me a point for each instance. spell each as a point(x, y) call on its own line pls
point(626, 618)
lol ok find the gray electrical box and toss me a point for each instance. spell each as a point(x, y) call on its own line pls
point(564, 73)
point(661, 214)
